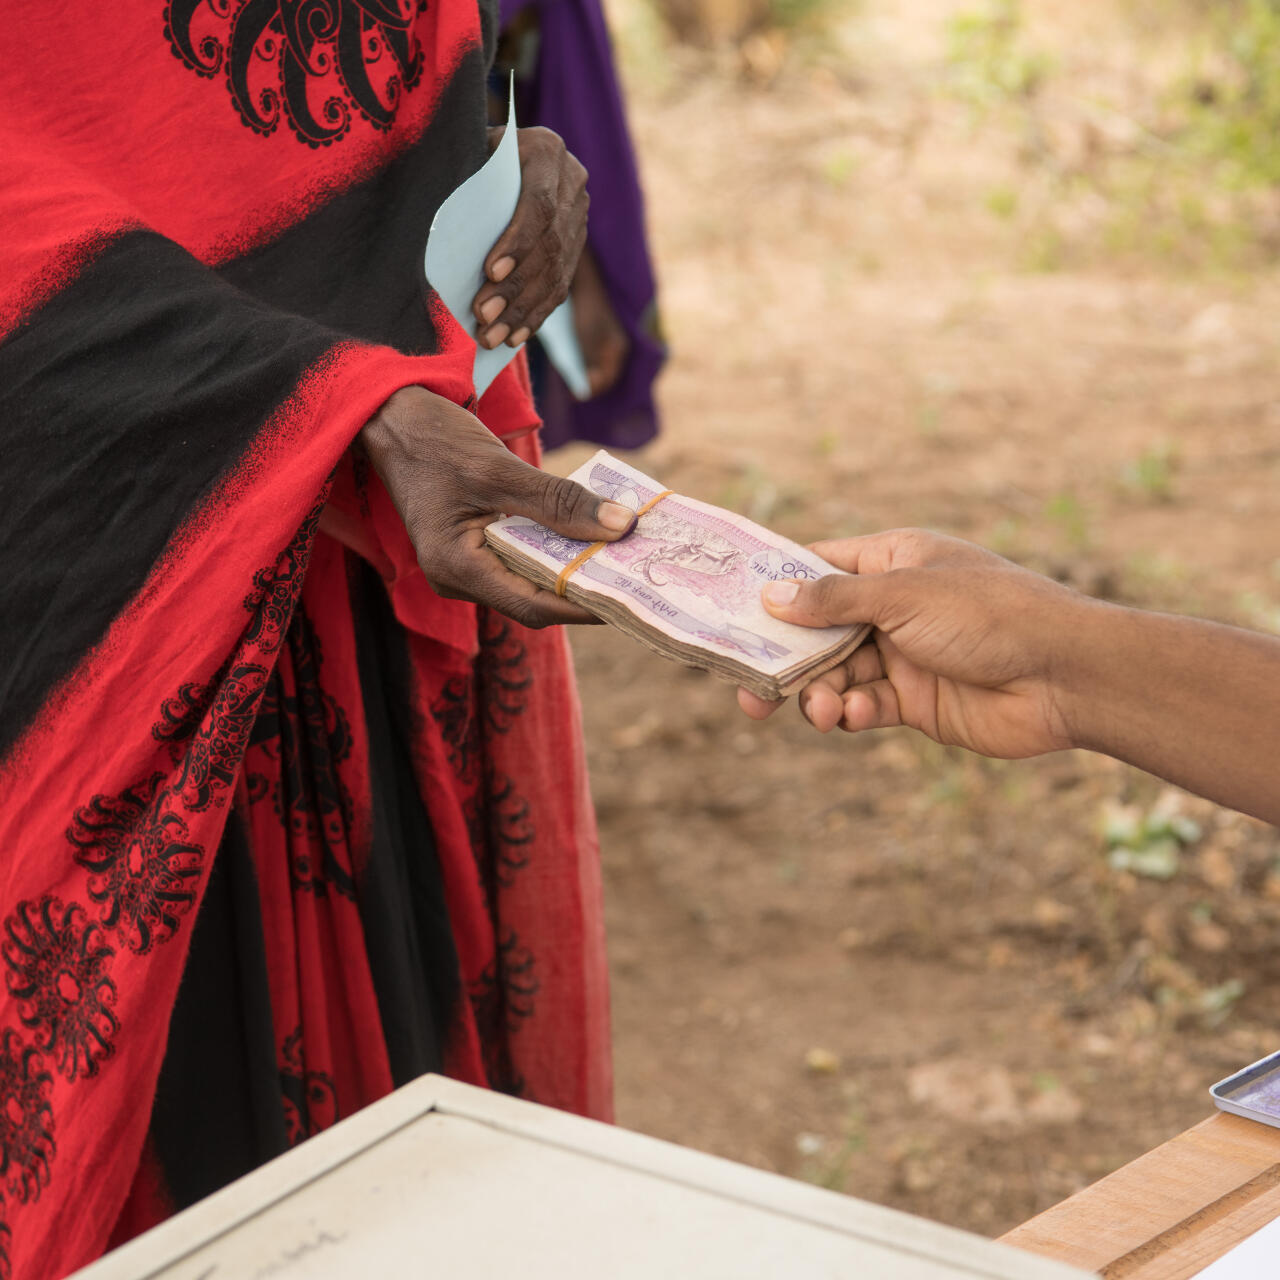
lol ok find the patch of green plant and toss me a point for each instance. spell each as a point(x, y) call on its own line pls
point(1147, 844)
point(1002, 201)
point(1005, 537)
point(929, 417)
point(1158, 580)
point(1068, 513)
point(1045, 1082)
point(805, 15)
point(1216, 1003)
point(831, 1169)
point(1044, 250)
point(789, 871)
point(950, 790)
point(1232, 96)
point(1192, 179)
point(988, 59)
point(839, 167)
point(641, 40)
point(1198, 196)
point(827, 444)
point(945, 767)
point(1150, 475)
point(1258, 611)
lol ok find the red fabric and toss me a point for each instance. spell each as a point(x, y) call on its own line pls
point(173, 157)
point(82, 1137)
point(113, 803)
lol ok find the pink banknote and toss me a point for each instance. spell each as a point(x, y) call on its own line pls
point(691, 569)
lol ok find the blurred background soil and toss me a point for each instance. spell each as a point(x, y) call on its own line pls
point(1007, 272)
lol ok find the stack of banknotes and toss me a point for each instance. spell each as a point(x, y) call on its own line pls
point(685, 581)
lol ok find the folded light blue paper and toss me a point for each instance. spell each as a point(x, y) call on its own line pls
point(466, 227)
point(559, 340)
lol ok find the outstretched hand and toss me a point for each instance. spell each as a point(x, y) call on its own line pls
point(449, 477)
point(967, 646)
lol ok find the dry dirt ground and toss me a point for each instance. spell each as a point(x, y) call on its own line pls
point(871, 962)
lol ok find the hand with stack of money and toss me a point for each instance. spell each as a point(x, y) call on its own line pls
point(685, 581)
point(968, 648)
point(980, 653)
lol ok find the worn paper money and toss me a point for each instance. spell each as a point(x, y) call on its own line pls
point(686, 580)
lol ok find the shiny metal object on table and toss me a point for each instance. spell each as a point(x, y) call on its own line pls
point(1253, 1092)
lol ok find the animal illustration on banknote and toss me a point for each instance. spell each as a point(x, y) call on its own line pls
point(671, 543)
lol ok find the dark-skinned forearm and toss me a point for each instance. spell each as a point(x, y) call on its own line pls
point(1194, 702)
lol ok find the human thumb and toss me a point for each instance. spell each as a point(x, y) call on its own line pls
point(561, 504)
point(837, 599)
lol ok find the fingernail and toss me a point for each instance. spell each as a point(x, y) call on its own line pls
point(492, 309)
point(496, 334)
point(781, 593)
point(520, 337)
point(614, 516)
point(502, 268)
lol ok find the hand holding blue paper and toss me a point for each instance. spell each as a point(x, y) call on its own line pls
point(469, 226)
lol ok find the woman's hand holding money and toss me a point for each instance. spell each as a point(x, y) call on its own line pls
point(979, 653)
point(449, 477)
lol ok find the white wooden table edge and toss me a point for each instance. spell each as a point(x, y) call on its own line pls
point(197, 1227)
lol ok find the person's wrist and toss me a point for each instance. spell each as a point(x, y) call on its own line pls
point(1085, 639)
point(388, 429)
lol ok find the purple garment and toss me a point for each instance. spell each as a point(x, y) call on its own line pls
point(574, 92)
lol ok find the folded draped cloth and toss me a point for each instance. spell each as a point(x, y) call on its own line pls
point(281, 828)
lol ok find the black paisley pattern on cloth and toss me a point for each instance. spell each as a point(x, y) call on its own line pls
point(282, 829)
point(310, 62)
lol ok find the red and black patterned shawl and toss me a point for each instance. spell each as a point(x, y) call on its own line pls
point(231, 709)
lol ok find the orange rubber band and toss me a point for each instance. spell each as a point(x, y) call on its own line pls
point(562, 582)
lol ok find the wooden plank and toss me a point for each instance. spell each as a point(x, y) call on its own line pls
point(1171, 1212)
